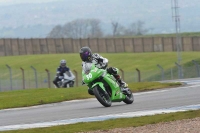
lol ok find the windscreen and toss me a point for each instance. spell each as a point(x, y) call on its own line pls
point(87, 67)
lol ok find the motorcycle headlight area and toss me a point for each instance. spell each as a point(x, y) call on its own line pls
point(87, 72)
point(104, 74)
point(87, 68)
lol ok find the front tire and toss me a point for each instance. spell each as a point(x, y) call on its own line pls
point(102, 96)
point(129, 97)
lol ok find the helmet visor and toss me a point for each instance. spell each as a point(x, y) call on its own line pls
point(63, 64)
point(86, 56)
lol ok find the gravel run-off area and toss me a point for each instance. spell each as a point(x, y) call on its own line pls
point(180, 126)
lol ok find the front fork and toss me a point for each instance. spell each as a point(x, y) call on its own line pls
point(100, 84)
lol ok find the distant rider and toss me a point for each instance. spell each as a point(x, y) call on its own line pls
point(60, 71)
point(100, 62)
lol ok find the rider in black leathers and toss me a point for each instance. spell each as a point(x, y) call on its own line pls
point(100, 62)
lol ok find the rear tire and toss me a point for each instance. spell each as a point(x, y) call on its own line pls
point(102, 96)
point(129, 98)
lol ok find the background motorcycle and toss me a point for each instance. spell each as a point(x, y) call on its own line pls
point(67, 80)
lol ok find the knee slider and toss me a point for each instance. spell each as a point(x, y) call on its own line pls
point(112, 70)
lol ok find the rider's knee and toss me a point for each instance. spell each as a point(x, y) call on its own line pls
point(112, 70)
point(55, 80)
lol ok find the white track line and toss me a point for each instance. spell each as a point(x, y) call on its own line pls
point(100, 118)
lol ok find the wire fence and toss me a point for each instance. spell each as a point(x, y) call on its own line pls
point(18, 79)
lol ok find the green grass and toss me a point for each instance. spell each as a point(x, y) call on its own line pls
point(30, 97)
point(111, 124)
point(183, 34)
point(125, 61)
point(188, 68)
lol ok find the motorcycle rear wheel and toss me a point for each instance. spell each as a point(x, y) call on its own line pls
point(102, 96)
point(129, 98)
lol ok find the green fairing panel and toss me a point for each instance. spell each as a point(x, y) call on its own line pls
point(100, 84)
point(116, 93)
point(94, 74)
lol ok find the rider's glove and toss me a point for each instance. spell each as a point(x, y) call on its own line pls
point(96, 56)
point(104, 64)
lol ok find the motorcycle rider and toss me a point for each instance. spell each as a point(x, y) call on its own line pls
point(60, 71)
point(102, 63)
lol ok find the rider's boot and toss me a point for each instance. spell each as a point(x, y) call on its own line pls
point(122, 84)
point(55, 84)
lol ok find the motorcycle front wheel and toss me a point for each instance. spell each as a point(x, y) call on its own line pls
point(102, 96)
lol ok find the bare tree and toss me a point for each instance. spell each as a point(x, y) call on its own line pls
point(76, 29)
point(114, 27)
point(140, 28)
point(79, 28)
point(136, 28)
point(131, 30)
point(82, 27)
point(95, 29)
point(90, 28)
point(117, 29)
point(56, 32)
point(68, 30)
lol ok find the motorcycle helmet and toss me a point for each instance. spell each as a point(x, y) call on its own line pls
point(63, 63)
point(86, 54)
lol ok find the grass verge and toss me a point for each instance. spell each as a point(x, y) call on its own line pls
point(115, 123)
point(126, 61)
point(31, 97)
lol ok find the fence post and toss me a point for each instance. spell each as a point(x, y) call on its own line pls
point(35, 72)
point(172, 73)
point(48, 74)
point(139, 75)
point(179, 70)
point(197, 67)
point(122, 73)
point(162, 71)
point(76, 77)
point(23, 82)
point(0, 85)
point(10, 70)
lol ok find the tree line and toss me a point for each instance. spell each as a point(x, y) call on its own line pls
point(91, 28)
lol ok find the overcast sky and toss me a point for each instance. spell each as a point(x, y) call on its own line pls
point(8, 2)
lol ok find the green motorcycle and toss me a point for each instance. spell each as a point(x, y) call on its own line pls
point(104, 86)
